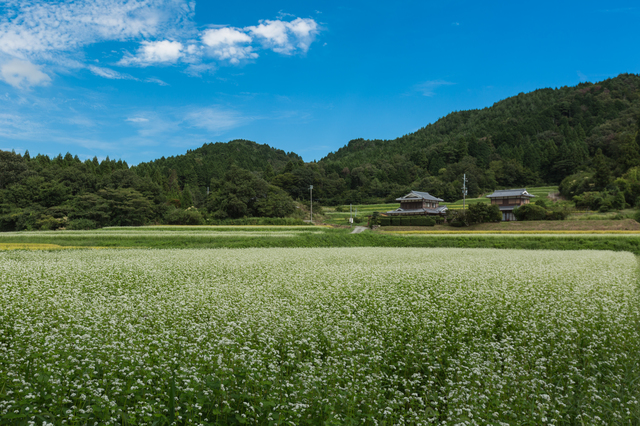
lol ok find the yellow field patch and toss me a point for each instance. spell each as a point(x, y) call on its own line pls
point(516, 232)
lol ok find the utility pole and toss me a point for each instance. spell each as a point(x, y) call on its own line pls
point(311, 191)
point(350, 214)
point(464, 190)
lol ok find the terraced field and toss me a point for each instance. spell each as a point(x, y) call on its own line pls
point(364, 210)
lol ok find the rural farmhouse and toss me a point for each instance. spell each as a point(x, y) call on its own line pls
point(419, 203)
point(508, 199)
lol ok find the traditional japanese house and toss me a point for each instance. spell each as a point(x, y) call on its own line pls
point(419, 203)
point(509, 199)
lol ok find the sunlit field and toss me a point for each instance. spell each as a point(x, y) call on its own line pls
point(319, 336)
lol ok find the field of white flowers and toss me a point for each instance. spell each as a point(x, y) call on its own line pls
point(319, 336)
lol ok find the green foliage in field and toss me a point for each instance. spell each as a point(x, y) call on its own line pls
point(319, 336)
point(311, 236)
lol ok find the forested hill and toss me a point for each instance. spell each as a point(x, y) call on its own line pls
point(538, 137)
point(211, 161)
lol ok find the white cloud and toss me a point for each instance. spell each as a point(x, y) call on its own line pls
point(155, 52)
point(286, 37)
point(428, 87)
point(23, 74)
point(224, 36)
point(137, 119)
point(228, 44)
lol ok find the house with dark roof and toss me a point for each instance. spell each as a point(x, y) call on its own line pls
point(419, 203)
point(509, 199)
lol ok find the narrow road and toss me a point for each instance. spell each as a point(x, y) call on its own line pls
point(358, 229)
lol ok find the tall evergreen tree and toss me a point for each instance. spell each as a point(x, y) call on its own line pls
point(602, 173)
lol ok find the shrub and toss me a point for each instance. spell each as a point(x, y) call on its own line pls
point(374, 219)
point(423, 221)
point(395, 221)
point(49, 223)
point(530, 212)
point(384, 221)
point(557, 214)
point(339, 209)
point(406, 221)
point(459, 218)
point(183, 217)
point(481, 213)
point(81, 224)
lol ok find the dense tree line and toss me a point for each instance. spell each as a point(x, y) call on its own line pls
point(65, 192)
point(584, 138)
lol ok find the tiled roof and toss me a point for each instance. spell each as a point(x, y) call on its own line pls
point(439, 210)
point(522, 192)
point(417, 195)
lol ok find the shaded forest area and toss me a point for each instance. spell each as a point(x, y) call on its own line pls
point(584, 138)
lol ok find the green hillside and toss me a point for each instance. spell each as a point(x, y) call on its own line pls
point(529, 139)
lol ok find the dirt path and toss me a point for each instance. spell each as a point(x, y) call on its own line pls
point(358, 229)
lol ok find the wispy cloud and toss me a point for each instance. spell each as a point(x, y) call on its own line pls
point(619, 10)
point(582, 77)
point(215, 119)
point(109, 73)
point(40, 29)
point(115, 75)
point(156, 81)
point(137, 119)
point(428, 87)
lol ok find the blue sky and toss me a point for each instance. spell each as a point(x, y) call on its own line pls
point(138, 80)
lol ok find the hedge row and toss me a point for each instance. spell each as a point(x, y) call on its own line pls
point(407, 221)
